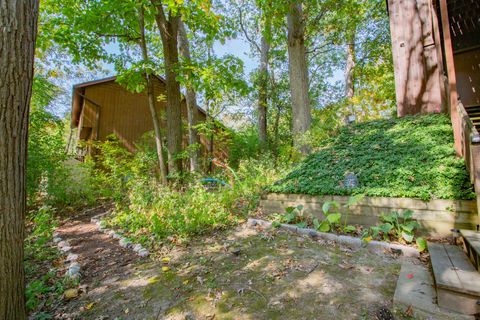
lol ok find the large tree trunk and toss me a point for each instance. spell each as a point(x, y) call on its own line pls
point(263, 93)
point(18, 20)
point(298, 73)
point(192, 108)
point(151, 100)
point(169, 32)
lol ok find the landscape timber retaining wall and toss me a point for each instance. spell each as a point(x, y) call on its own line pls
point(436, 217)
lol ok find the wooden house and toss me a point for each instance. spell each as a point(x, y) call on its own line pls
point(103, 107)
point(436, 55)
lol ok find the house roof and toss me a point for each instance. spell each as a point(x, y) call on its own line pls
point(78, 97)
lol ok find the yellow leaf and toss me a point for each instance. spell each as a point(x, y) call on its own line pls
point(185, 282)
point(165, 259)
point(89, 306)
point(71, 293)
point(165, 269)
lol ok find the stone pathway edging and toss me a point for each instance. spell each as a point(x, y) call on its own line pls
point(73, 270)
point(375, 246)
point(122, 241)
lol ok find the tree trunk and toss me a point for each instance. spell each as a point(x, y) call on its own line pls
point(151, 100)
point(192, 108)
point(263, 93)
point(298, 74)
point(18, 26)
point(349, 68)
point(349, 78)
point(169, 32)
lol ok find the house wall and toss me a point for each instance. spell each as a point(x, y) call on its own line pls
point(127, 115)
point(416, 49)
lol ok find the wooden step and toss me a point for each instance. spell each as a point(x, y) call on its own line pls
point(471, 246)
point(456, 279)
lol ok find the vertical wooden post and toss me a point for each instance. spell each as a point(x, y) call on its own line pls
point(452, 80)
point(418, 71)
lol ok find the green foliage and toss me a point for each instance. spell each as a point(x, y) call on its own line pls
point(43, 286)
point(331, 211)
point(411, 156)
point(396, 226)
point(146, 209)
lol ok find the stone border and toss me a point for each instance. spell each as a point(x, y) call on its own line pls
point(374, 246)
point(73, 270)
point(122, 241)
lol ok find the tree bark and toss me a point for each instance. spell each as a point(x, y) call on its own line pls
point(349, 77)
point(349, 70)
point(151, 100)
point(263, 93)
point(18, 27)
point(298, 74)
point(191, 97)
point(169, 32)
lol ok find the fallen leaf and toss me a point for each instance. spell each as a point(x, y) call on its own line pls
point(165, 259)
point(185, 282)
point(71, 294)
point(165, 268)
point(89, 306)
point(409, 311)
point(126, 311)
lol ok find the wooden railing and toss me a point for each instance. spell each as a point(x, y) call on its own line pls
point(470, 142)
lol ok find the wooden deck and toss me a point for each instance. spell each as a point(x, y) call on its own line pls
point(471, 245)
point(457, 281)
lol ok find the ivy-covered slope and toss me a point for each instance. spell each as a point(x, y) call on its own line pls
point(402, 157)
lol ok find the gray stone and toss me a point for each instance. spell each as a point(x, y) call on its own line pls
point(116, 236)
point(57, 239)
point(125, 243)
point(137, 247)
point(73, 270)
point(65, 249)
point(71, 257)
point(350, 181)
point(62, 244)
point(143, 253)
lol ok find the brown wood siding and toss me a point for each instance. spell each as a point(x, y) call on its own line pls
point(123, 113)
point(417, 67)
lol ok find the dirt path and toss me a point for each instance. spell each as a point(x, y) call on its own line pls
point(241, 273)
point(101, 258)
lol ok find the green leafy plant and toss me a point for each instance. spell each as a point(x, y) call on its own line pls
point(401, 227)
point(399, 157)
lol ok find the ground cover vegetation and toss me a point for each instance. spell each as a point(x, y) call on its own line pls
point(398, 157)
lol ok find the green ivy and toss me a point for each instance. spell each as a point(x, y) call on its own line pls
point(410, 157)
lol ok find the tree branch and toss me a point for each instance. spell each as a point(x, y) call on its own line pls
point(245, 31)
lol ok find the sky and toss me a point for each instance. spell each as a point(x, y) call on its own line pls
point(238, 47)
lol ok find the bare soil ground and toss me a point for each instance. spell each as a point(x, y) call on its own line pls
point(242, 273)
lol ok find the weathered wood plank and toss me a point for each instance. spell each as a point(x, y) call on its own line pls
point(386, 202)
point(445, 276)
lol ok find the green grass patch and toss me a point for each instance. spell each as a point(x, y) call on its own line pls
point(409, 157)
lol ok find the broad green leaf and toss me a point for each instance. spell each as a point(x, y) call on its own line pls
point(334, 218)
point(421, 244)
point(324, 226)
point(408, 237)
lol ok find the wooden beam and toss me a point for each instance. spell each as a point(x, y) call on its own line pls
point(452, 80)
